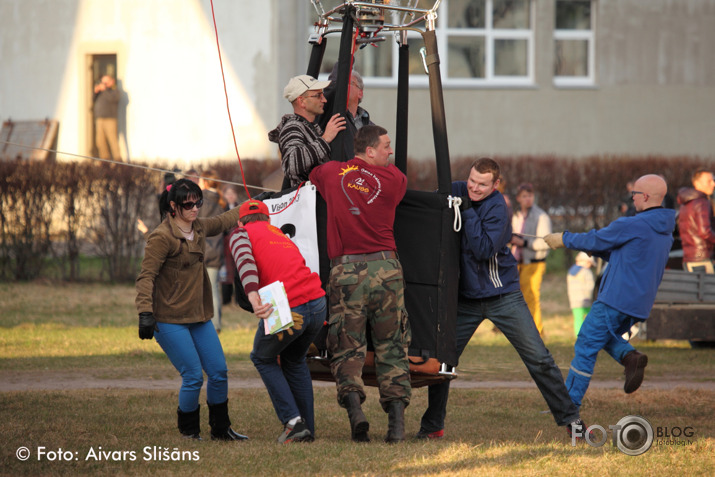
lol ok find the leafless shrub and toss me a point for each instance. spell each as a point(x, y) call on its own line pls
point(122, 195)
point(27, 202)
point(74, 182)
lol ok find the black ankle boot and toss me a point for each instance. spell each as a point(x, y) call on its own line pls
point(221, 424)
point(358, 422)
point(634, 364)
point(189, 423)
point(396, 422)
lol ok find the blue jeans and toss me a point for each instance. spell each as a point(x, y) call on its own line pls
point(602, 329)
point(511, 315)
point(289, 384)
point(193, 348)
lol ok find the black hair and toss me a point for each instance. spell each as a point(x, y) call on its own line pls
point(179, 192)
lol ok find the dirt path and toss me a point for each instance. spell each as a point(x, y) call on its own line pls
point(63, 380)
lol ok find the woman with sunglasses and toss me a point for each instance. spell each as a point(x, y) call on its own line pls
point(175, 305)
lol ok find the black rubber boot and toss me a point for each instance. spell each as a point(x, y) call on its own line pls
point(358, 422)
point(221, 424)
point(189, 423)
point(396, 422)
point(634, 363)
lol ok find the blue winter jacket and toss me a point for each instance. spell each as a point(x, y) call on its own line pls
point(488, 268)
point(637, 250)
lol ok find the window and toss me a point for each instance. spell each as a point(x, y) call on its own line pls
point(480, 42)
point(574, 44)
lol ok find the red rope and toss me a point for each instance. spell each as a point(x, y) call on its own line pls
point(295, 196)
point(228, 109)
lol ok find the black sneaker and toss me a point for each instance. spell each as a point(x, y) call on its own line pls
point(298, 433)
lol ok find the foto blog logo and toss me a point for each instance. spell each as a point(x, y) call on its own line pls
point(633, 435)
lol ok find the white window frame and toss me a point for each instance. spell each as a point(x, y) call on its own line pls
point(491, 34)
point(443, 33)
point(590, 36)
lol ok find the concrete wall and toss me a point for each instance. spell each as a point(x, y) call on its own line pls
point(654, 91)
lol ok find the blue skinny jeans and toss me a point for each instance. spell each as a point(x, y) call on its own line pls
point(193, 348)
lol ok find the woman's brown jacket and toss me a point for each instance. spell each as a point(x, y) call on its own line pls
point(173, 283)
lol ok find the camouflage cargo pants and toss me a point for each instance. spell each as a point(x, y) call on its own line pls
point(373, 293)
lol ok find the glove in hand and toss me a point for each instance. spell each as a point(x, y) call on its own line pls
point(147, 325)
point(297, 325)
point(555, 240)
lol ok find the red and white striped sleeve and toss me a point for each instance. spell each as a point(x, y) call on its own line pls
point(242, 253)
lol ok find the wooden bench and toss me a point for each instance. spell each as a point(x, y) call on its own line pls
point(684, 308)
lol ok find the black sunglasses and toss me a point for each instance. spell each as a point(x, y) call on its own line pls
point(190, 205)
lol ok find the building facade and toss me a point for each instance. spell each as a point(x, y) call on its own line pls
point(573, 78)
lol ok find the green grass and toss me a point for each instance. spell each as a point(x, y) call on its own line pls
point(89, 330)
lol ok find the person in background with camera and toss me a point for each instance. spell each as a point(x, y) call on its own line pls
point(175, 306)
point(105, 108)
point(263, 255)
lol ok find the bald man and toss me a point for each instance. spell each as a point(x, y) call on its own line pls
point(636, 249)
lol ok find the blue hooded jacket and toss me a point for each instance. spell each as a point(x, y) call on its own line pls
point(636, 249)
point(487, 268)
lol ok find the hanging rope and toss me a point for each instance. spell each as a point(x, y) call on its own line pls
point(137, 166)
point(455, 203)
point(228, 109)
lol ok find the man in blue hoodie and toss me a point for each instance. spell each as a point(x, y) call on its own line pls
point(636, 249)
point(489, 289)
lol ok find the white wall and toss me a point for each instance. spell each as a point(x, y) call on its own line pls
point(167, 65)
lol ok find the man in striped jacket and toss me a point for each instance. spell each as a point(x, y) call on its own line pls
point(302, 142)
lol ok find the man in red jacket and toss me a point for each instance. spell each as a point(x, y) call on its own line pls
point(695, 223)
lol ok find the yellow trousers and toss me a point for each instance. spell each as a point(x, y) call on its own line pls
point(530, 277)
